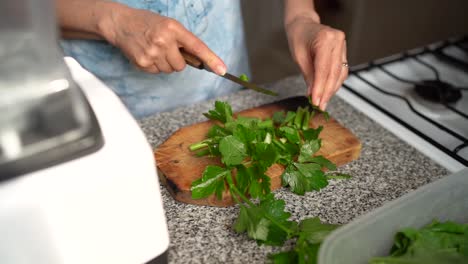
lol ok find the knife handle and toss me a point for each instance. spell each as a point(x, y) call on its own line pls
point(192, 60)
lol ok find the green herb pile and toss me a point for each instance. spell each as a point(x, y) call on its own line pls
point(247, 147)
point(440, 243)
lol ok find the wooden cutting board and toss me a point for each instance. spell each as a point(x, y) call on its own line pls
point(178, 167)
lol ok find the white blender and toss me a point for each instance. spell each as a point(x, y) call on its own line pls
point(78, 181)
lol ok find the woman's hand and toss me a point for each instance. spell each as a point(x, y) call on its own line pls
point(320, 52)
point(152, 41)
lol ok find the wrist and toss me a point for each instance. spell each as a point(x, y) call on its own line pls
point(107, 14)
point(311, 16)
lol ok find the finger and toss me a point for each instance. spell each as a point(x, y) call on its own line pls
point(304, 61)
point(140, 59)
point(321, 71)
point(164, 66)
point(196, 47)
point(336, 67)
point(175, 59)
point(151, 69)
point(345, 70)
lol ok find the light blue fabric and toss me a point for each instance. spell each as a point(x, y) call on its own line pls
point(217, 23)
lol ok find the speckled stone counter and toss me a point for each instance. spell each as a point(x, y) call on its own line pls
point(388, 168)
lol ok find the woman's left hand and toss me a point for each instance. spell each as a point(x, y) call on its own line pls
point(320, 52)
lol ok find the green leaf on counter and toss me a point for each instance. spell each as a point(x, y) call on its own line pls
point(294, 179)
point(315, 231)
point(315, 177)
point(322, 161)
point(310, 235)
point(266, 222)
point(211, 182)
point(302, 178)
point(287, 257)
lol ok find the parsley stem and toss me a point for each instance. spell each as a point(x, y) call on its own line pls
point(234, 196)
point(299, 117)
point(242, 196)
point(279, 144)
point(285, 229)
point(233, 188)
point(198, 146)
point(306, 120)
point(247, 163)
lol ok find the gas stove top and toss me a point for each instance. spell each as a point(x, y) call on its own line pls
point(421, 96)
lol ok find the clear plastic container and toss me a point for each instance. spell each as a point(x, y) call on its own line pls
point(372, 235)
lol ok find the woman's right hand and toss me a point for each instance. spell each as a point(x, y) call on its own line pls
point(152, 41)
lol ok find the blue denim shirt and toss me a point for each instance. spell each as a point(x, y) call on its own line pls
point(217, 23)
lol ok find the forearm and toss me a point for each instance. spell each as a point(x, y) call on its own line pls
point(86, 19)
point(294, 9)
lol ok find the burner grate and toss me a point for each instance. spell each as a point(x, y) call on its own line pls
point(445, 92)
point(450, 96)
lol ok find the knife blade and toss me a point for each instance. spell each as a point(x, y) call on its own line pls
point(197, 63)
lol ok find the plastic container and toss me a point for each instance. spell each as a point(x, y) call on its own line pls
point(372, 235)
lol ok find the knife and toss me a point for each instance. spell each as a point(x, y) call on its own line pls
point(197, 63)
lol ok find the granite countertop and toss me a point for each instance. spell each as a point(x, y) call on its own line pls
point(388, 168)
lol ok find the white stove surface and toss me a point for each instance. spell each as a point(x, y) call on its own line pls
point(410, 69)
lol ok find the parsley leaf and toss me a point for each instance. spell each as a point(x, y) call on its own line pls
point(266, 222)
point(308, 150)
point(260, 185)
point(279, 117)
point(310, 235)
point(212, 181)
point(291, 134)
point(316, 179)
point(294, 179)
point(222, 112)
point(233, 151)
point(312, 134)
point(290, 116)
point(302, 178)
point(244, 175)
point(247, 136)
point(314, 231)
point(217, 131)
point(266, 154)
point(254, 223)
